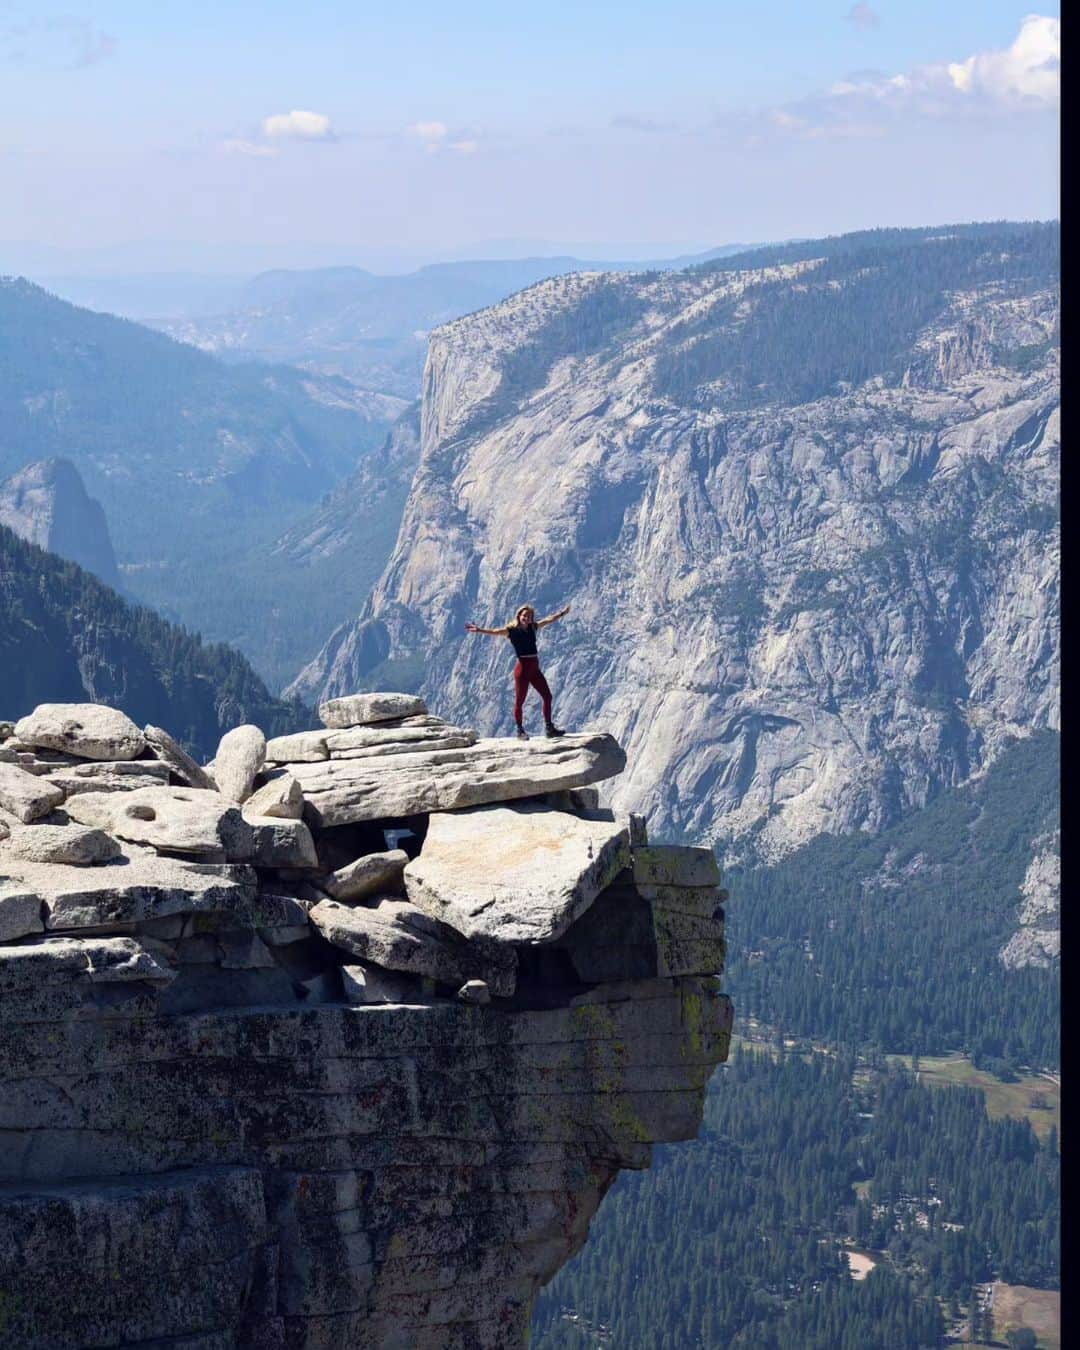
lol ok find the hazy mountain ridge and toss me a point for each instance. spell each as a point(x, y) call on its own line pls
point(805, 599)
point(199, 467)
point(177, 446)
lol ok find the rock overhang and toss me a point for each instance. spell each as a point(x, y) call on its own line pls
point(193, 999)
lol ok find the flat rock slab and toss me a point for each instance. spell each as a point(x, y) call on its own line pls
point(176, 758)
point(112, 776)
point(356, 740)
point(128, 890)
point(518, 874)
point(77, 845)
point(359, 710)
point(396, 936)
point(101, 960)
point(241, 753)
point(26, 795)
point(177, 819)
point(89, 730)
point(343, 791)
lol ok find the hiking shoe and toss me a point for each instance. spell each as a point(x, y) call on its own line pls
point(522, 734)
point(551, 730)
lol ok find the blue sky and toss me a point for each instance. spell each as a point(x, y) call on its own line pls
point(190, 133)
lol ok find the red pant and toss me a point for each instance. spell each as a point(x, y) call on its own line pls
point(526, 672)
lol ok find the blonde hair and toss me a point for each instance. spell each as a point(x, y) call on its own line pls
point(519, 612)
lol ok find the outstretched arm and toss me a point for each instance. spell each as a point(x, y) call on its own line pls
point(487, 632)
point(553, 618)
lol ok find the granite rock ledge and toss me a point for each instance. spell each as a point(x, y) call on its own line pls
point(353, 1074)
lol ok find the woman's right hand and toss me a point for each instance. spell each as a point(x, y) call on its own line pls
point(471, 627)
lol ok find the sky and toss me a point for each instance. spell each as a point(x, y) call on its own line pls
point(137, 134)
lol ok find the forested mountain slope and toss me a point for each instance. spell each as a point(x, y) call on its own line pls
point(66, 637)
point(849, 951)
point(804, 503)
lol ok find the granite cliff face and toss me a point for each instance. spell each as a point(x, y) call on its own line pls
point(806, 512)
point(47, 504)
point(1037, 940)
point(336, 1041)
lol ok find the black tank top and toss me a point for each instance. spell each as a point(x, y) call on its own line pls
point(524, 639)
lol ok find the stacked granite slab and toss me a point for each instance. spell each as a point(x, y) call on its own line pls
point(337, 1040)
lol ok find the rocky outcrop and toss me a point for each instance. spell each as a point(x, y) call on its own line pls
point(47, 504)
point(1037, 941)
point(808, 592)
point(255, 1096)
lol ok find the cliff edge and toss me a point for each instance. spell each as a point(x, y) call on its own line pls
point(336, 1041)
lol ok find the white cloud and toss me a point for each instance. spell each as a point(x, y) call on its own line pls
point(257, 149)
point(430, 131)
point(1028, 71)
point(436, 137)
point(1024, 75)
point(298, 125)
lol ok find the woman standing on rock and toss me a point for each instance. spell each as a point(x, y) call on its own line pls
point(522, 633)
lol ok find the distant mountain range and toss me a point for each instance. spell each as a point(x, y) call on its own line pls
point(372, 329)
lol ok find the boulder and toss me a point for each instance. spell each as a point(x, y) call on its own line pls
point(241, 753)
point(359, 710)
point(340, 792)
point(131, 890)
point(20, 910)
point(177, 759)
point(89, 730)
point(397, 936)
point(281, 844)
point(173, 819)
point(369, 875)
point(514, 873)
point(282, 796)
point(26, 795)
point(74, 844)
point(474, 991)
